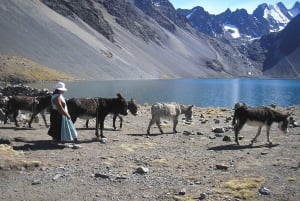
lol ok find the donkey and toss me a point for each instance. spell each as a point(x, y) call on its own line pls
point(258, 116)
point(88, 108)
point(169, 110)
point(107, 106)
point(34, 105)
point(84, 108)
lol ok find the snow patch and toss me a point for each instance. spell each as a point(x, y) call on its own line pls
point(232, 30)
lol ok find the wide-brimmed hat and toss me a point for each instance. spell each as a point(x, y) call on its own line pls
point(61, 86)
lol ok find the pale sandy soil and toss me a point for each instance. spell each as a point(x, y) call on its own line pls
point(33, 169)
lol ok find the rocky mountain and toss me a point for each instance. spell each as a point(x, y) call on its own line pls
point(264, 20)
point(278, 53)
point(130, 39)
point(93, 39)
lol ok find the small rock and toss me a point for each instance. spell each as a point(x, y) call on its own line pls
point(227, 138)
point(103, 140)
point(187, 133)
point(203, 121)
point(212, 137)
point(217, 121)
point(197, 182)
point(199, 133)
point(36, 182)
point(222, 167)
point(56, 177)
point(264, 191)
point(264, 153)
point(218, 130)
point(103, 176)
point(182, 191)
point(142, 170)
point(202, 196)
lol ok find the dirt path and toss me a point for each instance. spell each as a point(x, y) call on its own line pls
point(193, 164)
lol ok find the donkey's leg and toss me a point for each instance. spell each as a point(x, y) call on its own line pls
point(258, 133)
point(102, 127)
point(268, 135)
point(237, 128)
point(114, 121)
point(175, 122)
point(121, 120)
point(31, 119)
point(34, 115)
point(16, 113)
point(44, 118)
point(97, 127)
point(152, 121)
point(159, 127)
point(87, 123)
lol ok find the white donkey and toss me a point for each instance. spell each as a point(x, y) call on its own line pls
point(170, 111)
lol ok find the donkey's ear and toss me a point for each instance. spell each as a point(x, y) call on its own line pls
point(191, 106)
point(119, 95)
point(132, 100)
point(289, 114)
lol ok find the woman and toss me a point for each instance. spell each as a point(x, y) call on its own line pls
point(61, 127)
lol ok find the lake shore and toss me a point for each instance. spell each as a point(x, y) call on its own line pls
point(192, 164)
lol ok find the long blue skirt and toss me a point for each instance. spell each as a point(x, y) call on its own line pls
point(68, 131)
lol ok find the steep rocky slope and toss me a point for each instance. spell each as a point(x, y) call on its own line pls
point(118, 39)
point(67, 43)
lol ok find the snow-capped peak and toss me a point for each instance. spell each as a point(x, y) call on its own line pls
point(273, 11)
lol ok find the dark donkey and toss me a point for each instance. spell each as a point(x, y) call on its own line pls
point(258, 116)
point(87, 108)
point(34, 105)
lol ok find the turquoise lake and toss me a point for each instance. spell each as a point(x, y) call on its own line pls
point(200, 92)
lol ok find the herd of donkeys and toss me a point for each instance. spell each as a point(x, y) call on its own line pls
point(99, 108)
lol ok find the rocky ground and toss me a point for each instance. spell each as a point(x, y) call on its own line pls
point(194, 164)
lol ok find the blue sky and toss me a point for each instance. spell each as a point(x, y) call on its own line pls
point(218, 6)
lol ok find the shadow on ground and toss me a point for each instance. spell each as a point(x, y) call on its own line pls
point(240, 147)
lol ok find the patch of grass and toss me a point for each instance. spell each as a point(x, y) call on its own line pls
point(8, 150)
point(244, 188)
point(14, 68)
point(11, 159)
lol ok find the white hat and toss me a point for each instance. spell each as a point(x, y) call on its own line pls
point(61, 86)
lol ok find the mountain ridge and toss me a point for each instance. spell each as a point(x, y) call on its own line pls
point(119, 40)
